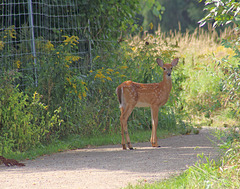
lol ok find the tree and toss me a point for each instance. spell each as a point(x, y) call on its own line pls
point(222, 12)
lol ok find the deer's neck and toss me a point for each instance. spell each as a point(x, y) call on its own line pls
point(166, 83)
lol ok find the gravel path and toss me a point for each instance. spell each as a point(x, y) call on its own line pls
point(109, 167)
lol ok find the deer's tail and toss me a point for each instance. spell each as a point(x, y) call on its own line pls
point(119, 92)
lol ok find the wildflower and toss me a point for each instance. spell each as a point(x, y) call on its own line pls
point(83, 83)
point(18, 63)
point(72, 58)
point(151, 25)
point(79, 96)
point(71, 40)
point(1, 45)
point(35, 94)
point(122, 76)
point(84, 94)
point(123, 67)
point(57, 52)
point(11, 32)
point(69, 81)
point(49, 45)
point(96, 57)
point(109, 78)
point(90, 71)
point(110, 70)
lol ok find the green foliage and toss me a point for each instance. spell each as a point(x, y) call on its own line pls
point(222, 12)
point(172, 15)
point(57, 78)
point(24, 121)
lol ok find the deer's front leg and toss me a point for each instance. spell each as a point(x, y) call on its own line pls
point(154, 112)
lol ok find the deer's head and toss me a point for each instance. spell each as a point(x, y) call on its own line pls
point(167, 68)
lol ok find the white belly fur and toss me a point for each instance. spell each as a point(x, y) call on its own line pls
point(142, 104)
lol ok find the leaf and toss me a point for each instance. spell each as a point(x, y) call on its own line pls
point(237, 11)
point(202, 23)
point(228, 22)
point(215, 24)
point(155, 11)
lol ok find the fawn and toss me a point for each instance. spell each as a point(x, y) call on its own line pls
point(154, 95)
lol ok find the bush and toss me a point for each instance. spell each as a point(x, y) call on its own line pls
point(24, 121)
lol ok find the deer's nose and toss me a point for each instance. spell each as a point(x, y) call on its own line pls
point(169, 74)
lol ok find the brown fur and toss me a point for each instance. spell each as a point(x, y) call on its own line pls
point(154, 95)
point(10, 162)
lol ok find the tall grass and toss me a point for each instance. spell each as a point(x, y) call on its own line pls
point(204, 69)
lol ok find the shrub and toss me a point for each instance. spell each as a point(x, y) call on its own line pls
point(24, 121)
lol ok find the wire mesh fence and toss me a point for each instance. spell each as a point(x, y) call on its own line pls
point(29, 28)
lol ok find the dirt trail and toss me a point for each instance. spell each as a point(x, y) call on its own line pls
point(109, 167)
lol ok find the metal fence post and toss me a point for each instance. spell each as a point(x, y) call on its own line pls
point(89, 45)
point(30, 12)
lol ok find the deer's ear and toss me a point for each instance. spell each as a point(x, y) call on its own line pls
point(160, 62)
point(174, 62)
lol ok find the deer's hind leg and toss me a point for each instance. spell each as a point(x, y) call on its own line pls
point(125, 113)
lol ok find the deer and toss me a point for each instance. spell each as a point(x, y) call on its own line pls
point(154, 95)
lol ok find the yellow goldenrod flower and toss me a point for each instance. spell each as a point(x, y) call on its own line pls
point(11, 32)
point(18, 64)
point(1, 45)
point(49, 45)
point(34, 95)
point(151, 25)
point(123, 67)
point(90, 71)
point(79, 96)
point(71, 40)
point(108, 78)
point(96, 57)
point(110, 70)
point(83, 83)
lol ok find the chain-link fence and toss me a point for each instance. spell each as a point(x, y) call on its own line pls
point(25, 25)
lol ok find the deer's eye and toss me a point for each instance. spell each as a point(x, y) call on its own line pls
point(164, 68)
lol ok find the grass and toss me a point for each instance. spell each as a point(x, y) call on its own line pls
point(75, 142)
